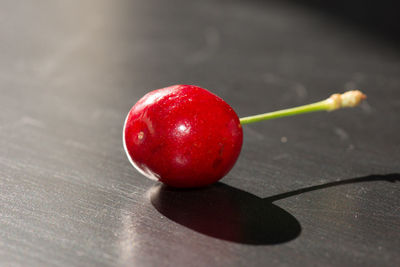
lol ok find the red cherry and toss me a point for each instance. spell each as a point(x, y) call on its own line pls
point(183, 135)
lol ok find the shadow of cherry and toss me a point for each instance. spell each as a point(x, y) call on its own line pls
point(228, 213)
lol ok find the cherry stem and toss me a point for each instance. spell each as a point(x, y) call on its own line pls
point(335, 101)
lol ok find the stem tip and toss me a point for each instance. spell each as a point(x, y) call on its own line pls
point(348, 99)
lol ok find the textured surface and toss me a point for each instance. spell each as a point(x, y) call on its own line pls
point(320, 189)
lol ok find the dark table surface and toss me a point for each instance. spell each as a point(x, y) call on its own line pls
point(319, 189)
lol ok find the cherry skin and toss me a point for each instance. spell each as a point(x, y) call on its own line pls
point(182, 135)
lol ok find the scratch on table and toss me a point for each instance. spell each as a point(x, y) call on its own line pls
point(330, 210)
point(212, 43)
point(359, 77)
point(350, 85)
point(281, 156)
point(76, 144)
point(366, 108)
point(343, 135)
point(24, 121)
point(105, 113)
point(254, 133)
point(300, 90)
point(271, 78)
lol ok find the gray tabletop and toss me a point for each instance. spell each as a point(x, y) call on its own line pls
point(315, 190)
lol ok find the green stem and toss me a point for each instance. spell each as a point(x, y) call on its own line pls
point(318, 106)
point(347, 100)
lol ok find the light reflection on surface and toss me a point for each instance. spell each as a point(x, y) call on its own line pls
point(127, 242)
point(182, 128)
point(146, 236)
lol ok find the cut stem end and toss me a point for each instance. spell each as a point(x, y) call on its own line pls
point(347, 100)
